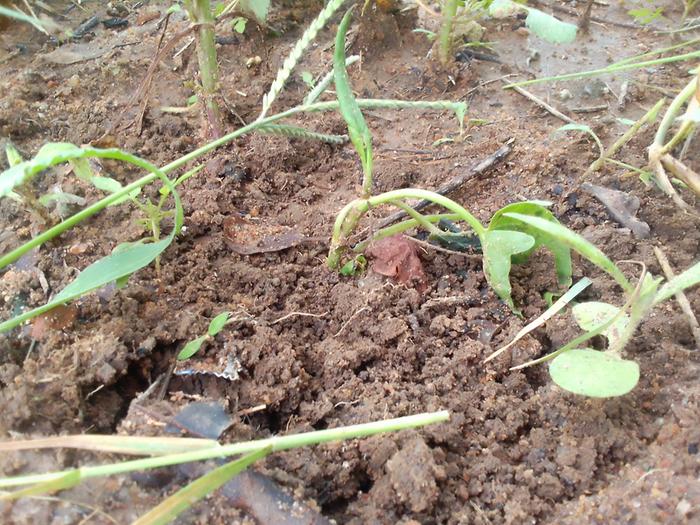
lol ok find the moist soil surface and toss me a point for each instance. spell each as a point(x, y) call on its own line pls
point(311, 349)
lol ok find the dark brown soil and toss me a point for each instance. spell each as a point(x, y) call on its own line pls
point(517, 449)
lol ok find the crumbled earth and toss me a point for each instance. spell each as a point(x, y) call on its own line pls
point(320, 350)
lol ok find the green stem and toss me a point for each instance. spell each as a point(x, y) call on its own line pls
point(203, 150)
point(672, 111)
point(349, 216)
point(609, 69)
point(277, 443)
point(445, 43)
point(402, 227)
point(649, 116)
point(203, 17)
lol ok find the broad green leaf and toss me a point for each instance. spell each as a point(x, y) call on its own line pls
point(257, 8)
point(357, 127)
point(560, 251)
point(593, 314)
point(549, 28)
point(684, 280)
point(218, 323)
point(191, 348)
point(592, 373)
point(168, 510)
point(239, 23)
point(577, 243)
point(498, 247)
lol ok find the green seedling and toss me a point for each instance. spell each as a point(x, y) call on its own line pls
point(166, 451)
point(646, 14)
point(459, 23)
point(502, 242)
point(123, 262)
point(215, 326)
point(688, 6)
point(591, 372)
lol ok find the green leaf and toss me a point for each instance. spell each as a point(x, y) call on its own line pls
point(541, 24)
point(576, 242)
point(593, 314)
point(549, 28)
point(82, 169)
point(308, 78)
point(191, 348)
point(13, 156)
point(357, 127)
point(684, 280)
point(111, 268)
point(257, 8)
point(166, 511)
point(218, 323)
point(592, 373)
point(561, 252)
point(239, 23)
point(107, 184)
point(498, 247)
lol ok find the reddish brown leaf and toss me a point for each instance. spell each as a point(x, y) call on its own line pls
point(397, 257)
point(59, 318)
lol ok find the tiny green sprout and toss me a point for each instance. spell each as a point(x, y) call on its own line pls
point(308, 79)
point(646, 15)
point(215, 326)
point(239, 24)
point(354, 266)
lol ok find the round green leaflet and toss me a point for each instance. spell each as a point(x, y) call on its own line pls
point(594, 374)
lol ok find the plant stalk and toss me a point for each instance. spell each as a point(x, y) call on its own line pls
point(445, 36)
point(203, 17)
point(277, 443)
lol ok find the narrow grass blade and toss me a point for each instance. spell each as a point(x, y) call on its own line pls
point(684, 280)
point(357, 127)
point(184, 498)
point(70, 479)
point(546, 316)
point(277, 443)
point(610, 69)
point(297, 51)
point(323, 84)
point(132, 445)
point(19, 15)
point(577, 243)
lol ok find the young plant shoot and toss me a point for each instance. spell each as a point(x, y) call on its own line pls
point(584, 370)
point(502, 241)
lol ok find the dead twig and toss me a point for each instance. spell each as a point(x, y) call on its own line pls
point(300, 314)
point(495, 158)
point(346, 323)
point(552, 110)
point(680, 296)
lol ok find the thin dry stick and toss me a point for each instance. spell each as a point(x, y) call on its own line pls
point(680, 296)
point(346, 323)
point(455, 183)
point(302, 314)
point(554, 111)
point(430, 246)
point(683, 172)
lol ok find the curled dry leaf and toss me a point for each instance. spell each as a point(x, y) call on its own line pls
point(397, 257)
